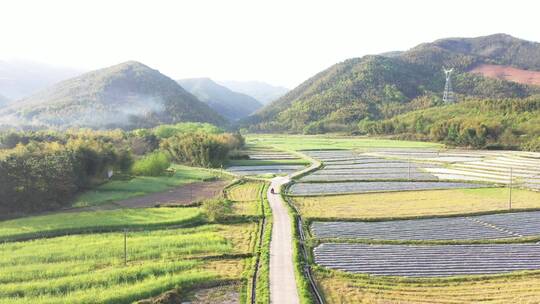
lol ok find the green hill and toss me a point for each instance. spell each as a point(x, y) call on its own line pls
point(227, 103)
point(379, 87)
point(128, 95)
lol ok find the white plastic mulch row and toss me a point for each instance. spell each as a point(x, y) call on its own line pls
point(428, 261)
point(497, 226)
point(363, 187)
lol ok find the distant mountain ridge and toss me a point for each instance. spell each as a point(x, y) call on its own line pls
point(263, 92)
point(20, 79)
point(381, 86)
point(229, 104)
point(3, 101)
point(127, 95)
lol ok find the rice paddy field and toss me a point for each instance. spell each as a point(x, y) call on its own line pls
point(78, 257)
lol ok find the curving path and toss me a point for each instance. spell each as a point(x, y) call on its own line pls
point(282, 281)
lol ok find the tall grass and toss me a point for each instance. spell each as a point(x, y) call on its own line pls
point(90, 268)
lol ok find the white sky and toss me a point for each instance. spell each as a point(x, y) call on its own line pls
point(278, 41)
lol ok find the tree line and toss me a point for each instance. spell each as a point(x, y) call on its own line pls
point(44, 170)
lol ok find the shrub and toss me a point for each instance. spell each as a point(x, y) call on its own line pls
point(217, 210)
point(201, 149)
point(153, 164)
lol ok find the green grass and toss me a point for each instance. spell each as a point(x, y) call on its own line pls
point(89, 268)
point(411, 204)
point(64, 223)
point(310, 142)
point(124, 189)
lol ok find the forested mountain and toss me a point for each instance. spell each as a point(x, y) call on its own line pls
point(263, 92)
point(227, 103)
point(20, 79)
point(127, 95)
point(379, 87)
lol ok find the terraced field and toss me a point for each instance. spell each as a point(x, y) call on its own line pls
point(487, 166)
point(428, 261)
point(497, 226)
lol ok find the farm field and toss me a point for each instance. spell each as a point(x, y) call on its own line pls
point(341, 287)
point(428, 260)
point(381, 216)
point(89, 268)
point(266, 162)
point(246, 197)
point(116, 190)
point(67, 223)
point(415, 203)
point(304, 189)
point(167, 249)
point(484, 227)
point(325, 142)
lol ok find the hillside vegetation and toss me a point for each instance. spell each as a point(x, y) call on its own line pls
point(129, 95)
point(379, 87)
point(502, 123)
point(229, 104)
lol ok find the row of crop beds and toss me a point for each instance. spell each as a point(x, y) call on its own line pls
point(348, 245)
point(428, 260)
point(484, 227)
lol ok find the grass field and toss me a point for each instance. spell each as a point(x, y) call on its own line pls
point(141, 185)
point(414, 203)
point(64, 223)
point(339, 287)
point(90, 269)
point(309, 142)
point(81, 260)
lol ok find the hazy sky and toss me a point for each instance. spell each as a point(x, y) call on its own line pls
point(280, 42)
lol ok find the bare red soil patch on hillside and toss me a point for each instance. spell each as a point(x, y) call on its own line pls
point(509, 73)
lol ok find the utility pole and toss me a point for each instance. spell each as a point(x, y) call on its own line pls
point(510, 192)
point(125, 247)
point(409, 167)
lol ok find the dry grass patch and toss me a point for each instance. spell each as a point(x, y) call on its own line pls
point(345, 288)
point(415, 203)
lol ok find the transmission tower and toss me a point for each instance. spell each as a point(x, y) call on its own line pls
point(448, 96)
